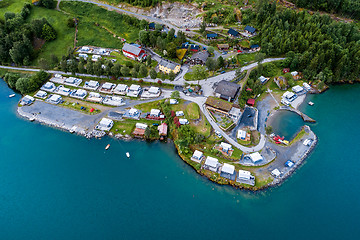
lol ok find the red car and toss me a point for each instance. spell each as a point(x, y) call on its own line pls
point(187, 29)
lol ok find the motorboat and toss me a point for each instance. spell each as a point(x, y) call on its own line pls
point(107, 147)
point(311, 103)
point(11, 95)
point(128, 154)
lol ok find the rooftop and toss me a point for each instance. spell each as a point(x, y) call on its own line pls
point(228, 89)
point(219, 104)
point(131, 49)
point(250, 29)
point(168, 64)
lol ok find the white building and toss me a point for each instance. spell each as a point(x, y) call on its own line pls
point(294, 73)
point(154, 90)
point(263, 79)
point(276, 173)
point(107, 87)
point(49, 87)
point(307, 142)
point(134, 90)
point(121, 89)
point(141, 125)
point(41, 94)
point(306, 86)
point(211, 164)
point(225, 147)
point(27, 100)
point(183, 121)
point(113, 101)
point(197, 156)
point(244, 175)
point(95, 58)
point(179, 113)
point(173, 101)
point(155, 113)
point(297, 89)
point(63, 90)
point(84, 49)
point(255, 157)
point(228, 169)
point(78, 93)
point(95, 97)
point(133, 112)
point(289, 96)
point(54, 99)
point(241, 134)
point(83, 55)
point(92, 85)
point(105, 124)
point(72, 81)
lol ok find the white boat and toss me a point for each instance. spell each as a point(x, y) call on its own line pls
point(107, 147)
point(11, 95)
point(128, 154)
point(311, 103)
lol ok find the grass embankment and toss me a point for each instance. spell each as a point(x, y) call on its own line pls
point(300, 135)
point(92, 19)
point(193, 111)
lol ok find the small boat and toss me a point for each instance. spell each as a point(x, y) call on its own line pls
point(128, 154)
point(311, 103)
point(107, 147)
point(11, 95)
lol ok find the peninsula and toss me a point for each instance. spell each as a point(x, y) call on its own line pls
point(208, 77)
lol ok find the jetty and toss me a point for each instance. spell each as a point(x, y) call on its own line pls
point(305, 117)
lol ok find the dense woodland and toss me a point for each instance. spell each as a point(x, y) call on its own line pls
point(141, 3)
point(350, 8)
point(26, 83)
point(314, 44)
point(17, 36)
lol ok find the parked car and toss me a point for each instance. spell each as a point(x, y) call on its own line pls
point(223, 72)
point(187, 29)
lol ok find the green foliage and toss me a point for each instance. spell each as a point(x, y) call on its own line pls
point(199, 72)
point(312, 43)
point(48, 3)
point(153, 73)
point(175, 95)
point(48, 33)
point(11, 78)
point(220, 62)
point(24, 83)
point(268, 129)
point(172, 76)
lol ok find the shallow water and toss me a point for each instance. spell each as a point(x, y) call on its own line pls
point(54, 185)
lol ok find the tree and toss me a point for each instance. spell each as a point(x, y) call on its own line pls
point(11, 79)
point(171, 35)
point(22, 85)
point(144, 37)
point(64, 65)
point(259, 57)
point(199, 72)
point(202, 27)
point(147, 132)
point(134, 73)
point(172, 76)
point(153, 73)
point(158, 27)
point(90, 67)
point(175, 94)
point(220, 62)
point(211, 50)
point(48, 33)
point(43, 63)
point(19, 51)
point(171, 50)
point(98, 70)
point(268, 130)
point(211, 64)
point(73, 67)
point(115, 70)
point(148, 61)
point(70, 22)
point(81, 67)
point(47, 3)
point(125, 71)
point(143, 71)
point(54, 59)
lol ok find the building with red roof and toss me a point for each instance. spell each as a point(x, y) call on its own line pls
point(250, 102)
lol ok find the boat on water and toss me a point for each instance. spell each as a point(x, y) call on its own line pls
point(107, 147)
point(11, 95)
point(128, 154)
point(311, 103)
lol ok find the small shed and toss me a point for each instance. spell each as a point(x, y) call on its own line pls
point(250, 102)
point(276, 173)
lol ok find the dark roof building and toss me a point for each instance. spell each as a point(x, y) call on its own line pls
point(233, 32)
point(199, 58)
point(227, 90)
point(152, 25)
point(250, 29)
point(254, 46)
point(193, 47)
point(211, 35)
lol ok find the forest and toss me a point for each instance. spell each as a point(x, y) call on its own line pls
point(350, 8)
point(314, 44)
point(17, 36)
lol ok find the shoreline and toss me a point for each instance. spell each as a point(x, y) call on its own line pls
point(82, 132)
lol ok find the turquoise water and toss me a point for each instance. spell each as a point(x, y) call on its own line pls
point(54, 185)
point(287, 124)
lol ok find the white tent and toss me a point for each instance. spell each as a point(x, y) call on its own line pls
point(227, 168)
point(255, 157)
point(211, 162)
point(246, 175)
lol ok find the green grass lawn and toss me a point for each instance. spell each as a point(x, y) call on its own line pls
point(244, 58)
point(146, 107)
point(11, 6)
point(193, 111)
point(89, 14)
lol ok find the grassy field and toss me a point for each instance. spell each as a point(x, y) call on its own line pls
point(11, 6)
point(146, 107)
point(90, 34)
point(193, 110)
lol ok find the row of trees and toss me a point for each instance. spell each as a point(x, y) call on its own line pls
point(141, 3)
point(313, 44)
point(16, 35)
point(350, 8)
point(26, 83)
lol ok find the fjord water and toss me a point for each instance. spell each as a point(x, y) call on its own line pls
point(54, 185)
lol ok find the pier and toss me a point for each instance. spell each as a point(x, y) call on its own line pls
point(305, 117)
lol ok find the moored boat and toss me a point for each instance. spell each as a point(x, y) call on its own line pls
point(311, 103)
point(128, 154)
point(11, 95)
